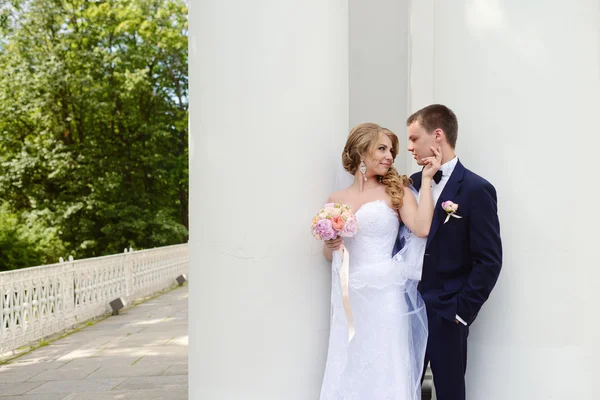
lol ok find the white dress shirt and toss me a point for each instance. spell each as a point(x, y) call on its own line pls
point(447, 169)
point(436, 191)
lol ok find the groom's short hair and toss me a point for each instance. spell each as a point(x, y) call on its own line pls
point(437, 116)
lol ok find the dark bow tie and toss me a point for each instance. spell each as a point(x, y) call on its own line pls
point(438, 176)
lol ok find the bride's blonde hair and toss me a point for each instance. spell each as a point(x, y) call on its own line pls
point(363, 139)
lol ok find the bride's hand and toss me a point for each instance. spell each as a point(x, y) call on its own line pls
point(334, 244)
point(433, 163)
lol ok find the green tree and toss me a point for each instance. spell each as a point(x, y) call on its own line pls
point(93, 120)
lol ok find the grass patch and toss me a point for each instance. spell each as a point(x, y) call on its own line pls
point(136, 361)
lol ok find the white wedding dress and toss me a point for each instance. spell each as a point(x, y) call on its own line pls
point(384, 360)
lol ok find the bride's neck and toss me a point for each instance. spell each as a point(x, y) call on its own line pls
point(361, 185)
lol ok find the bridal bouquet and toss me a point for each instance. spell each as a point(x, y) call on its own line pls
point(334, 220)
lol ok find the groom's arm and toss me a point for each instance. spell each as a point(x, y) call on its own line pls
point(486, 252)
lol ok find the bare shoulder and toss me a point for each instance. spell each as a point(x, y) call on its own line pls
point(337, 197)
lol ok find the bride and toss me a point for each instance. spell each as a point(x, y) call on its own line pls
point(384, 359)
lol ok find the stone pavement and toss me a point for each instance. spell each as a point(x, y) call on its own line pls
point(140, 354)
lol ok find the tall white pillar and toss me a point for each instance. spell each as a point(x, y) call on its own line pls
point(378, 71)
point(269, 110)
point(522, 78)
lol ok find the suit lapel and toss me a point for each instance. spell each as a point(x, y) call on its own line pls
point(449, 193)
point(417, 181)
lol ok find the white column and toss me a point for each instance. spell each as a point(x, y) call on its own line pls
point(420, 61)
point(522, 78)
point(269, 109)
point(378, 71)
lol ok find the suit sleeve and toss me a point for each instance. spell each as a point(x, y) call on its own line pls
point(486, 253)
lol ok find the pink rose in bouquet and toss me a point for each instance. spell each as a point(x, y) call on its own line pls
point(334, 220)
point(337, 222)
point(324, 230)
point(350, 228)
point(336, 212)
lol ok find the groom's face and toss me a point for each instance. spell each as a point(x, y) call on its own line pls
point(420, 142)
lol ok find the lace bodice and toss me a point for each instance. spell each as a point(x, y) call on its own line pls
point(377, 232)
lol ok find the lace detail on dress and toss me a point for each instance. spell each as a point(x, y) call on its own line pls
point(410, 257)
point(384, 360)
point(377, 231)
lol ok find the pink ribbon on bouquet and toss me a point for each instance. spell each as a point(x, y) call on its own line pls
point(345, 279)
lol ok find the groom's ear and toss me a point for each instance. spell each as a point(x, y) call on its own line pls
point(439, 135)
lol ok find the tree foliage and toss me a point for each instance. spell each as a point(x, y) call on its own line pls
point(93, 126)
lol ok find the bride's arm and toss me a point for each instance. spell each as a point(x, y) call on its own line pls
point(330, 246)
point(417, 217)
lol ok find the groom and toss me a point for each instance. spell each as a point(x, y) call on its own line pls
point(463, 256)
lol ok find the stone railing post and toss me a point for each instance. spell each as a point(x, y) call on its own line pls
point(68, 290)
point(128, 267)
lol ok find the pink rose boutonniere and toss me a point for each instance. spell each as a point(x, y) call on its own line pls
point(450, 209)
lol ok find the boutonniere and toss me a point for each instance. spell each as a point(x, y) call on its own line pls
point(450, 209)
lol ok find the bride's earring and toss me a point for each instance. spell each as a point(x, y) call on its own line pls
point(363, 169)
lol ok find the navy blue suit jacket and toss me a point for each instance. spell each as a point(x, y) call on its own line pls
point(463, 257)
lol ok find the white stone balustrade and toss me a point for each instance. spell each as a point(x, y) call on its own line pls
point(40, 301)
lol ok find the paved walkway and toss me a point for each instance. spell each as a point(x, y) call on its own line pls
point(140, 354)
